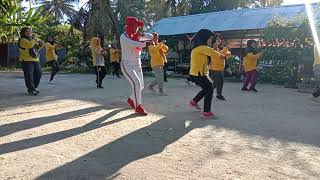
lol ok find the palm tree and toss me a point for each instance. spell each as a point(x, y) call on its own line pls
point(31, 2)
point(97, 17)
point(59, 9)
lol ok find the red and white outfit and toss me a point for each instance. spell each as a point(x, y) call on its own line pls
point(131, 46)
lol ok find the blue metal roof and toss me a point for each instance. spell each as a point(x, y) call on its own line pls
point(243, 19)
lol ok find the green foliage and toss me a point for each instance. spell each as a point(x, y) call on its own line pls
point(233, 62)
point(13, 18)
point(287, 44)
point(69, 38)
point(58, 9)
point(264, 3)
point(99, 22)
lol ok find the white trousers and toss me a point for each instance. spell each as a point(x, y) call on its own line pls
point(135, 77)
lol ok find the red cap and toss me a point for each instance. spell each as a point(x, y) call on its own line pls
point(132, 21)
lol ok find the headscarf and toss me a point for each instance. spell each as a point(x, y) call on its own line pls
point(95, 43)
point(249, 48)
point(201, 38)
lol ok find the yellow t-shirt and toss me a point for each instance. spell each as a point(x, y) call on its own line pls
point(24, 54)
point(250, 61)
point(50, 52)
point(114, 55)
point(219, 63)
point(157, 54)
point(199, 60)
point(316, 56)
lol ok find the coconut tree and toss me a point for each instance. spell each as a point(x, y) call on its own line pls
point(97, 17)
point(59, 9)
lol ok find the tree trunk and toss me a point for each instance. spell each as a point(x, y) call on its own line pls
point(101, 36)
point(115, 22)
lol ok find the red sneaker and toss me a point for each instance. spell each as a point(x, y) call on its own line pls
point(131, 103)
point(207, 115)
point(193, 104)
point(140, 110)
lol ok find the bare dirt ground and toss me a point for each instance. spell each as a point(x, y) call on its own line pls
point(74, 131)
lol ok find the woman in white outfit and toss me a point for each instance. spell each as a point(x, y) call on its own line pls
point(132, 43)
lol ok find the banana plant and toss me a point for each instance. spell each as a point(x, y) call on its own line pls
point(13, 18)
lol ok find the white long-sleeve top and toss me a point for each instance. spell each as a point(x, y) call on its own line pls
point(130, 51)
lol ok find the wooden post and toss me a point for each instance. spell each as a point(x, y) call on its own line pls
point(241, 54)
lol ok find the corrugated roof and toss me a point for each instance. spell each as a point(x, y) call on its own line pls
point(243, 19)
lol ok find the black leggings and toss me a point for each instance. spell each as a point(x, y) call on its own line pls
point(116, 68)
point(218, 80)
point(165, 71)
point(55, 68)
point(207, 90)
point(32, 74)
point(316, 92)
point(100, 73)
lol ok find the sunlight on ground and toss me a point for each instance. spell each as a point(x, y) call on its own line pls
point(78, 126)
point(97, 136)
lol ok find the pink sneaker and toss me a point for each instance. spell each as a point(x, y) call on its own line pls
point(193, 104)
point(207, 115)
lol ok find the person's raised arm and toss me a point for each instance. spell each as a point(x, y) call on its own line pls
point(133, 43)
point(146, 37)
point(206, 50)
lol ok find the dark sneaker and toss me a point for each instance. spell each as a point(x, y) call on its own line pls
point(32, 93)
point(221, 97)
point(254, 90)
point(245, 89)
point(316, 94)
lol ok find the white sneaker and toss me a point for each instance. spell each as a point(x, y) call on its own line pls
point(52, 82)
point(188, 82)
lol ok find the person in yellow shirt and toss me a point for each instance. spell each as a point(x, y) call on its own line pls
point(98, 60)
point(217, 65)
point(158, 59)
point(316, 71)
point(199, 72)
point(114, 60)
point(51, 57)
point(29, 48)
point(250, 66)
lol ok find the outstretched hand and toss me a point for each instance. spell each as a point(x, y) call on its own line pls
point(222, 56)
point(148, 43)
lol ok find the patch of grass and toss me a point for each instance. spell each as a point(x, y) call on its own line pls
point(79, 70)
point(10, 68)
point(149, 74)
